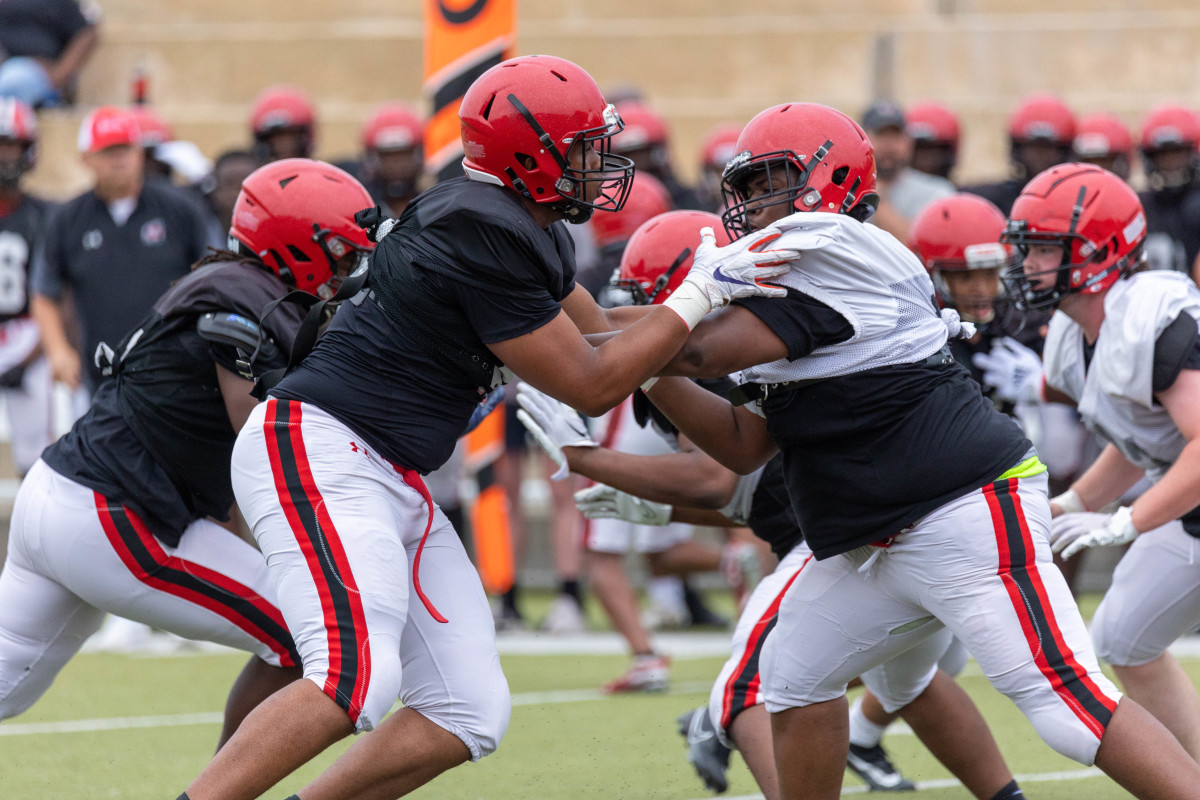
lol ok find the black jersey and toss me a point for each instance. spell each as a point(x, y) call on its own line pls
point(771, 517)
point(20, 231)
point(866, 455)
point(1002, 194)
point(405, 364)
point(1172, 228)
point(158, 437)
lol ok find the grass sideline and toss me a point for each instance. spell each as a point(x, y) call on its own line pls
point(564, 741)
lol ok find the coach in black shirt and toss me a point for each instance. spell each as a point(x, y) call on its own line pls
point(118, 247)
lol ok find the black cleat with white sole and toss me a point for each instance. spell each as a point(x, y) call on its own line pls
point(872, 765)
point(705, 751)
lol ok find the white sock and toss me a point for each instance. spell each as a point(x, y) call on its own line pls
point(863, 732)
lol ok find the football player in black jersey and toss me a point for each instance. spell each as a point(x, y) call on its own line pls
point(474, 282)
point(25, 380)
point(118, 515)
point(923, 504)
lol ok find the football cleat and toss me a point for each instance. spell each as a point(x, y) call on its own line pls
point(646, 674)
point(706, 754)
point(872, 765)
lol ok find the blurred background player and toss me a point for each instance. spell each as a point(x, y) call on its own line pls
point(903, 191)
point(117, 247)
point(1041, 131)
point(1126, 348)
point(1103, 140)
point(1169, 138)
point(283, 124)
point(647, 199)
point(716, 150)
point(393, 156)
point(645, 141)
point(222, 185)
point(934, 130)
point(25, 380)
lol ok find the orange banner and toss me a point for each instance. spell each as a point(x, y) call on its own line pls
point(463, 39)
point(489, 513)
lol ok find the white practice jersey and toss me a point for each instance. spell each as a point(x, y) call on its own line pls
point(1115, 393)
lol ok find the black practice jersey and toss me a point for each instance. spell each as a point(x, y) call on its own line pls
point(1002, 193)
point(1024, 327)
point(1172, 228)
point(20, 231)
point(116, 272)
point(771, 516)
point(405, 364)
point(158, 437)
point(868, 454)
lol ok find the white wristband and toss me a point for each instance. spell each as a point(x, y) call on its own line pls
point(690, 302)
point(649, 384)
point(1069, 502)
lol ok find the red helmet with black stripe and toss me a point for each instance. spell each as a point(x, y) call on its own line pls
point(520, 120)
point(297, 215)
point(660, 252)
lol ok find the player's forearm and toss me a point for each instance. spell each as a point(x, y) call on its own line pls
point(736, 440)
point(1109, 477)
point(48, 316)
point(701, 516)
point(1176, 494)
point(689, 479)
point(629, 359)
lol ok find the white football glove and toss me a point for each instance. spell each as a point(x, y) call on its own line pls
point(1070, 533)
point(605, 502)
point(721, 274)
point(1012, 371)
point(554, 425)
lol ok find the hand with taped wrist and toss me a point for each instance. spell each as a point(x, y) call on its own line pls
point(1071, 533)
point(605, 502)
point(1012, 371)
point(722, 274)
point(553, 424)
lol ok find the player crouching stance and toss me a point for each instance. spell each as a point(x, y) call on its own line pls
point(474, 282)
point(924, 505)
point(115, 517)
point(1124, 347)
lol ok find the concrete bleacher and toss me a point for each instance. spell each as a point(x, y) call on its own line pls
point(700, 61)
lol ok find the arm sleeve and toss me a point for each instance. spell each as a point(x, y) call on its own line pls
point(48, 277)
point(800, 322)
point(1176, 349)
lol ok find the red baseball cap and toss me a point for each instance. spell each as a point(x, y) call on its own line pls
point(108, 126)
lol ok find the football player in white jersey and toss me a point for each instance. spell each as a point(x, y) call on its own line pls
point(923, 504)
point(1124, 346)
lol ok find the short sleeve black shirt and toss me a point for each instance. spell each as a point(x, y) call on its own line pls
point(466, 266)
point(40, 28)
point(20, 232)
point(116, 272)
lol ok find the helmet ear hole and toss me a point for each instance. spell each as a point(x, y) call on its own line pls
point(839, 175)
point(297, 253)
point(526, 161)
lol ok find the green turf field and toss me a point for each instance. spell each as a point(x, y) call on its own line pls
point(151, 722)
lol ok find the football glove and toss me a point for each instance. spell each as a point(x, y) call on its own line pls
point(554, 425)
point(1012, 371)
point(1070, 533)
point(721, 274)
point(605, 502)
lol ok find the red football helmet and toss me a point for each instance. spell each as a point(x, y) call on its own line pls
point(719, 146)
point(959, 232)
point(394, 126)
point(644, 128)
point(282, 108)
point(1103, 140)
point(154, 129)
point(1092, 215)
point(18, 124)
point(647, 199)
point(1167, 131)
point(932, 123)
point(297, 215)
point(519, 121)
point(660, 252)
point(1042, 118)
point(815, 158)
